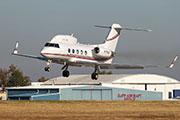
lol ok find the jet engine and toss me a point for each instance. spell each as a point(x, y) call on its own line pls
point(100, 53)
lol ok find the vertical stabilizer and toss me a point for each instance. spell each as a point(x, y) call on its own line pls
point(112, 38)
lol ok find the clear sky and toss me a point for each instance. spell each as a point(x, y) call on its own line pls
point(33, 22)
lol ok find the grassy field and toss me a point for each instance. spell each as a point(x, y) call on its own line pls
point(89, 110)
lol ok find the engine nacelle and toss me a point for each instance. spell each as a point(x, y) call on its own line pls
point(99, 53)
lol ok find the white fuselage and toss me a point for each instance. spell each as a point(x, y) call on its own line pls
point(73, 53)
point(64, 49)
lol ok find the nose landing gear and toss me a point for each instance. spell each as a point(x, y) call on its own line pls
point(47, 69)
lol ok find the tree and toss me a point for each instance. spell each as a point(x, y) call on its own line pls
point(13, 77)
point(27, 80)
point(42, 79)
point(3, 77)
point(16, 79)
point(12, 68)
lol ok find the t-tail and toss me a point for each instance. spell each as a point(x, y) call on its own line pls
point(114, 34)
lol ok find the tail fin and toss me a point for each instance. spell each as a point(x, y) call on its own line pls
point(113, 36)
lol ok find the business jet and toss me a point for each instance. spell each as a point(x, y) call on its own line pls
point(64, 49)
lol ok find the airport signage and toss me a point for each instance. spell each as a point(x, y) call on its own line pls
point(129, 96)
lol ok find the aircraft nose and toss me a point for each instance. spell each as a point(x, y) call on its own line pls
point(43, 52)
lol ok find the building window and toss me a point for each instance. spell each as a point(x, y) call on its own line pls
point(169, 95)
point(154, 89)
point(145, 86)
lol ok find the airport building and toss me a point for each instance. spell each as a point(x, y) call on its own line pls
point(107, 87)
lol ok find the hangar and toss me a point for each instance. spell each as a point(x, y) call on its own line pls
point(107, 87)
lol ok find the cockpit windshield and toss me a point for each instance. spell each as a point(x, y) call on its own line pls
point(52, 45)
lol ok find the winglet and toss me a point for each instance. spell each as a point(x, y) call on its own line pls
point(173, 62)
point(16, 48)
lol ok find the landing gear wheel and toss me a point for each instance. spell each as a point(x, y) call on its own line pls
point(47, 69)
point(65, 73)
point(94, 76)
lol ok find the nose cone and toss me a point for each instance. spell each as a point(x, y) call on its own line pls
point(44, 52)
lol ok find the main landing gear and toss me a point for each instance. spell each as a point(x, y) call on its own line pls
point(47, 69)
point(65, 73)
point(94, 75)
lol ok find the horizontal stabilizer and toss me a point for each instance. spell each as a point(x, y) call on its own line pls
point(121, 28)
point(101, 26)
point(136, 29)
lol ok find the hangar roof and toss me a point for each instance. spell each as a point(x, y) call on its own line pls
point(114, 79)
point(83, 80)
point(146, 78)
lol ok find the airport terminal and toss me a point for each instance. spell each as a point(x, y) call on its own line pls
point(107, 87)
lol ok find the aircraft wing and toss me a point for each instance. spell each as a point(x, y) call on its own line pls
point(30, 56)
point(15, 52)
point(92, 64)
point(119, 66)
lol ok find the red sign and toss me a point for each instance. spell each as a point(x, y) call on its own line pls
point(129, 96)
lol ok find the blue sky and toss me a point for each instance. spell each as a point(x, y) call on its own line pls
point(33, 22)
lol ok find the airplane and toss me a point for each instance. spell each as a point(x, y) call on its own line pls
point(65, 50)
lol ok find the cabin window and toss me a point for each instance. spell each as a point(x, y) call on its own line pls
point(81, 52)
point(73, 51)
point(47, 44)
point(69, 50)
point(56, 45)
point(51, 45)
point(77, 51)
point(85, 52)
